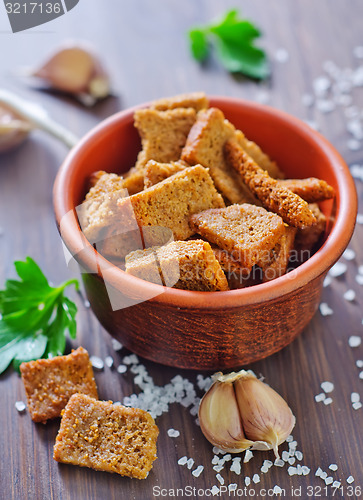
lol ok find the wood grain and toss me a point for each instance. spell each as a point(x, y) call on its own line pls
point(143, 44)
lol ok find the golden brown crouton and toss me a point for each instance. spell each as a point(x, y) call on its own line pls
point(205, 146)
point(277, 264)
point(293, 209)
point(107, 437)
point(171, 202)
point(247, 232)
point(311, 189)
point(187, 265)
point(49, 383)
point(103, 183)
point(256, 153)
point(307, 237)
point(196, 100)
point(163, 133)
point(155, 172)
point(133, 181)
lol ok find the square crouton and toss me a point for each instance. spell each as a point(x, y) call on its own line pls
point(163, 133)
point(195, 100)
point(187, 265)
point(106, 437)
point(155, 172)
point(294, 210)
point(49, 383)
point(311, 189)
point(247, 232)
point(205, 146)
point(171, 202)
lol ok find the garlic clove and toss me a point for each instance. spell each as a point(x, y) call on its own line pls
point(220, 419)
point(77, 70)
point(266, 418)
point(13, 129)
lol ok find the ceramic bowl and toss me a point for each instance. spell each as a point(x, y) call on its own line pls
point(207, 330)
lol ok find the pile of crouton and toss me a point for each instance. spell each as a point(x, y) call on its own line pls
point(204, 208)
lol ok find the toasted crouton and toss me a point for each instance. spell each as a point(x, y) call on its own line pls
point(163, 133)
point(293, 209)
point(196, 100)
point(205, 146)
point(256, 153)
point(107, 437)
point(307, 237)
point(247, 232)
point(187, 265)
point(277, 264)
point(155, 172)
point(171, 202)
point(311, 189)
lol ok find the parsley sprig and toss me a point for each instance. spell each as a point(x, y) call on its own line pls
point(34, 316)
point(233, 39)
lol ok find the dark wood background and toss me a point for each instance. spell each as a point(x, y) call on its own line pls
point(143, 43)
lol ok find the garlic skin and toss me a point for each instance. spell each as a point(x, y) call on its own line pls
point(77, 70)
point(13, 129)
point(240, 412)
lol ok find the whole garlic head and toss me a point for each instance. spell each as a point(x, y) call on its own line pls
point(240, 412)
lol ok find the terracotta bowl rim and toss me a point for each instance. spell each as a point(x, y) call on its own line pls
point(318, 264)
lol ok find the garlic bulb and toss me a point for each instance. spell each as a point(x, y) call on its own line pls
point(76, 69)
point(13, 129)
point(240, 412)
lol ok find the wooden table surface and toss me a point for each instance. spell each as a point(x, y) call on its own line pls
point(144, 46)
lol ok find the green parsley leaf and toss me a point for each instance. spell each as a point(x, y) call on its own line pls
point(34, 316)
point(233, 39)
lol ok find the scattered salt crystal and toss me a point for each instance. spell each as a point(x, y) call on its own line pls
point(359, 279)
point(182, 460)
point(289, 438)
point(299, 470)
point(350, 480)
point(97, 363)
point(336, 484)
point(359, 363)
point(173, 433)
point(327, 281)
point(220, 479)
point(325, 105)
point(328, 401)
point(109, 361)
point(292, 471)
point(87, 304)
point(218, 467)
point(354, 397)
point(218, 451)
point(357, 405)
point(190, 463)
point(247, 481)
point(305, 470)
point(227, 457)
point(333, 467)
point(256, 478)
point(116, 345)
point(20, 406)
point(248, 456)
point(267, 463)
point(359, 218)
point(277, 490)
point(325, 310)
point(327, 387)
point(281, 55)
point(285, 456)
point(121, 368)
point(321, 85)
point(329, 480)
point(215, 460)
point(349, 254)
point(307, 100)
point(214, 490)
point(358, 51)
point(232, 487)
point(357, 171)
point(264, 469)
point(361, 375)
point(279, 462)
point(323, 475)
point(349, 295)
point(353, 145)
point(338, 269)
point(354, 341)
point(236, 467)
point(320, 397)
point(291, 460)
point(197, 472)
point(299, 455)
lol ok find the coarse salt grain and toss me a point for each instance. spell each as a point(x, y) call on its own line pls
point(359, 218)
point(327, 387)
point(357, 171)
point(292, 471)
point(329, 480)
point(279, 462)
point(97, 363)
point(360, 270)
point(220, 479)
point(218, 451)
point(361, 375)
point(247, 481)
point(121, 368)
point(320, 397)
point(87, 304)
point(215, 460)
point(349, 254)
point(349, 295)
point(285, 456)
point(321, 85)
point(327, 281)
point(325, 310)
point(236, 467)
point(277, 490)
point(20, 406)
point(338, 269)
point(256, 478)
point(355, 397)
point(318, 472)
point(116, 345)
point(357, 405)
point(183, 460)
point(299, 455)
point(214, 490)
point(173, 433)
point(333, 467)
point(281, 55)
point(248, 456)
point(305, 470)
point(336, 484)
point(197, 472)
point(359, 363)
point(109, 361)
point(328, 401)
point(291, 460)
point(218, 468)
point(289, 438)
point(232, 487)
point(350, 480)
point(354, 341)
point(190, 463)
point(325, 106)
point(359, 279)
